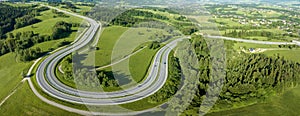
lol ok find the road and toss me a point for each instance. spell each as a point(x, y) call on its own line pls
point(251, 41)
point(48, 82)
point(158, 73)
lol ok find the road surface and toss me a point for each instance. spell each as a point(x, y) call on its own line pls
point(251, 41)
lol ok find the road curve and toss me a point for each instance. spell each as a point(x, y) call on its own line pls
point(48, 82)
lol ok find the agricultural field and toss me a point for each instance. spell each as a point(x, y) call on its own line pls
point(247, 21)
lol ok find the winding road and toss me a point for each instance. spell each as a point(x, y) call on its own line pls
point(48, 82)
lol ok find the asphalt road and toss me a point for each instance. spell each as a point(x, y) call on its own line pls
point(48, 82)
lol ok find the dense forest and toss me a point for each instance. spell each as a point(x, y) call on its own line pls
point(132, 17)
point(139, 16)
point(16, 17)
point(249, 77)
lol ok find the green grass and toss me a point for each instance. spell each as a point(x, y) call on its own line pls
point(237, 46)
point(24, 102)
point(45, 26)
point(10, 70)
point(10, 73)
point(292, 55)
point(140, 63)
point(106, 43)
point(286, 104)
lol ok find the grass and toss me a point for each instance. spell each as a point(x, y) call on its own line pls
point(106, 43)
point(45, 26)
point(24, 102)
point(286, 104)
point(10, 73)
point(292, 55)
point(237, 45)
point(140, 63)
point(11, 70)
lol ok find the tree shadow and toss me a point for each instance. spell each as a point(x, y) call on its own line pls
point(122, 78)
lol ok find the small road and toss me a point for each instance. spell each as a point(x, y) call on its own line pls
point(250, 41)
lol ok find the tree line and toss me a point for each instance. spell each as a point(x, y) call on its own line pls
point(16, 17)
point(249, 77)
point(20, 42)
point(138, 17)
point(245, 33)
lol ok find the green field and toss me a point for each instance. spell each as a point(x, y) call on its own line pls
point(286, 104)
point(26, 103)
point(45, 26)
point(140, 63)
point(11, 73)
point(286, 53)
point(106, 43)
point(292, 55)
point(237, 45)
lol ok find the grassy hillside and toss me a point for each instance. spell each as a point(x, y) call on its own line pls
point(26, 103)
point(47, 23)
point(286, 104)
point(10, 73)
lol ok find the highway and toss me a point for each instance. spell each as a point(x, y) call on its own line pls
point(48, 82)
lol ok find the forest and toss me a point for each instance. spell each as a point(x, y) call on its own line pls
point(139, 17)
point(249, 77)
point(20, 42)
point(16, 17)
